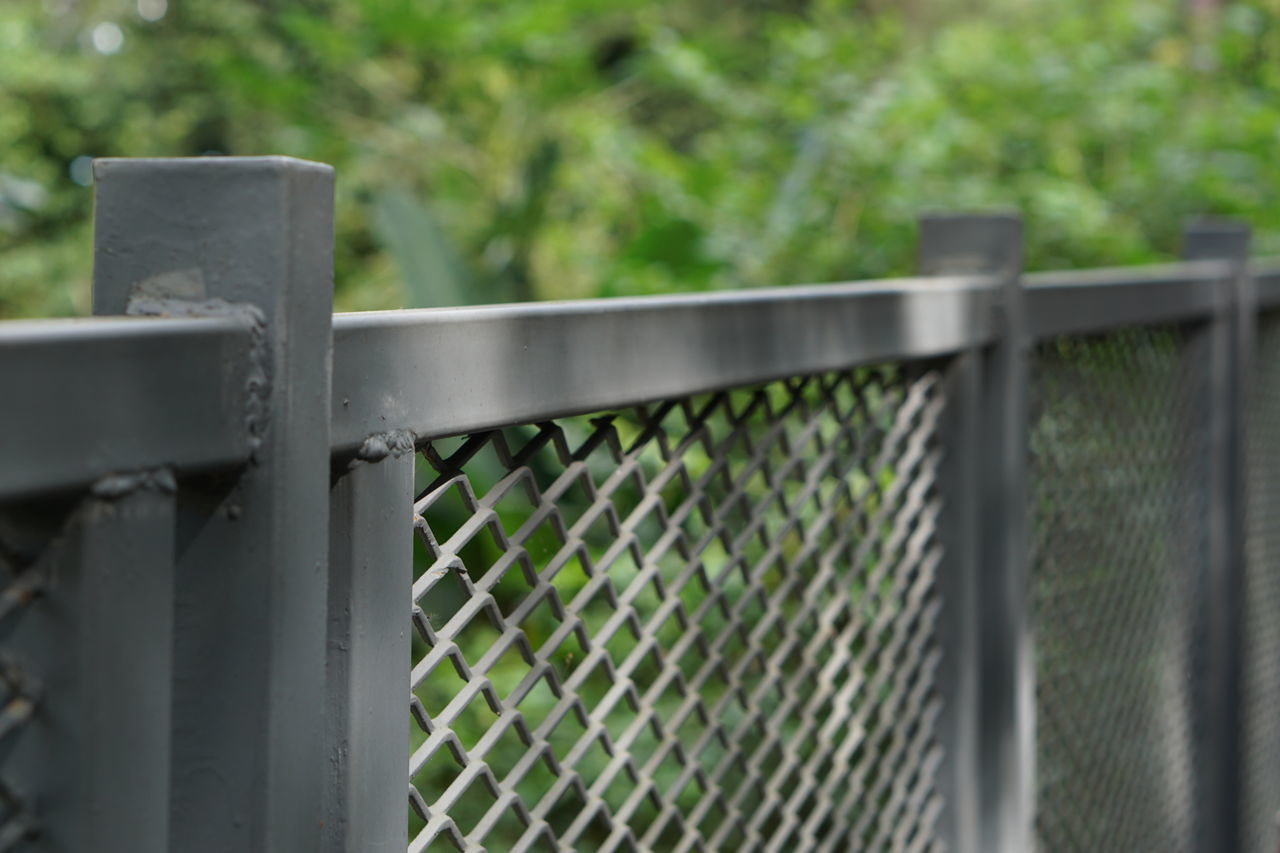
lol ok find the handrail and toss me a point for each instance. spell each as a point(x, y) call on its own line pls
point(93, 397)
point(543, 360)
point(1080, 302)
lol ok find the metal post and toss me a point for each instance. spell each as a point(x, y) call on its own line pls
point(993, 483)
point(88, 656)
point(370, 601)
point(254, 236)
point(1223, 348)
point(958, 673)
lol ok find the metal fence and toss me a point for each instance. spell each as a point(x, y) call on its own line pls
point(974, 561)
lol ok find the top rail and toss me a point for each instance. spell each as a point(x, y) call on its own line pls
point(117, 393)
point(1079, 302)
point(90, 397)
point(459, 370)
point(1266, 276)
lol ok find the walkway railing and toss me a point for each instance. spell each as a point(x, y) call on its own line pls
point(976, 560)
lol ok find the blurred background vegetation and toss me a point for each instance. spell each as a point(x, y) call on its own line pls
point(536, 149)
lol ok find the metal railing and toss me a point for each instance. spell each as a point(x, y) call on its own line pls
point(974, 561)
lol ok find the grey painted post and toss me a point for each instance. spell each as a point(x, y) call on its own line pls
point(252, 235)
point(996, 482)
point(958, 673)
point(88, 650)
point(370, 602)
point(1223, 351)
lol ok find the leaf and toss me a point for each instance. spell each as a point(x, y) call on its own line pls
point(430, 270)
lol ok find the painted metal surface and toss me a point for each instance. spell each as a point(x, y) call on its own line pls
point(228, 522)
point(992, 244)
point(254, 237)
point(1094, 301)
point(82, 399)
point(1266, 277)
point(959, 588)
point(87, 621)
point(370, 587)
point(449, 371)
point(1260, 661)
point(1227, 344)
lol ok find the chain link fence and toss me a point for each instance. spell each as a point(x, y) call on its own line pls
point(1117, 533)
point(24, 544)
point(954, 562)
point(704, 624)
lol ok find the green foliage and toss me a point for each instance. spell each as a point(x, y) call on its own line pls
point(563, 148)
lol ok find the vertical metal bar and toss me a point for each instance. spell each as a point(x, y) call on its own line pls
point(1224, 347)
point(255, 235)
point(957, 628)
point(370, 599)
point(992, 244)
point(91, 648)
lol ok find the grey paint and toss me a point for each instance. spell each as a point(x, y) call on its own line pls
point(131, 403)
point(958, 582)
point(248, 736)
point(1225, 348)
point(94, 648)
point(443, 371)
point(992, 244)
point(1266, 280)
point(1075, 303)
point(229, 737)
point(370, 596)
point(85, 398)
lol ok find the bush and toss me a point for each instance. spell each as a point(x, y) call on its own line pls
point(566, 148)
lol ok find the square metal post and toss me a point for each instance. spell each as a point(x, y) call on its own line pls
point(1223, 348)
point(989, 774)
point(369, 659)
point(250, 235)
point(958, 673)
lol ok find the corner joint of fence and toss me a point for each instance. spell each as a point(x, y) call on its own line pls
point(989, 774)
point(252, 238)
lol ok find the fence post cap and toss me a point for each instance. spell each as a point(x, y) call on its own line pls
point(107, 166)
point(1209, 238)
point(977, 242)
point(198, 228)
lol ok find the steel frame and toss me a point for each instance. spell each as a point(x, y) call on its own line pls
point(244, 459)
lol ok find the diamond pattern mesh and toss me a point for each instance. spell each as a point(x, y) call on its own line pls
point(1116, 545)
point(22, 577)
point(1261, 699)
point(705, 624)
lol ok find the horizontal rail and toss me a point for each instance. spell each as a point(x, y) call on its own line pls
point(453, 370)
point(1266, 276)
point(1069, 303)
point(119, 394)
point(93, 397)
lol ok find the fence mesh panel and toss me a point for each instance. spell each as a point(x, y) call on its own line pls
point(1261, 699)
point(25, 539)
point(705, 624)
point(1117, 538)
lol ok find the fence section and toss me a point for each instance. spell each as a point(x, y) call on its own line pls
point(954, 562)
point(1119, 520)
point(705, 623)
